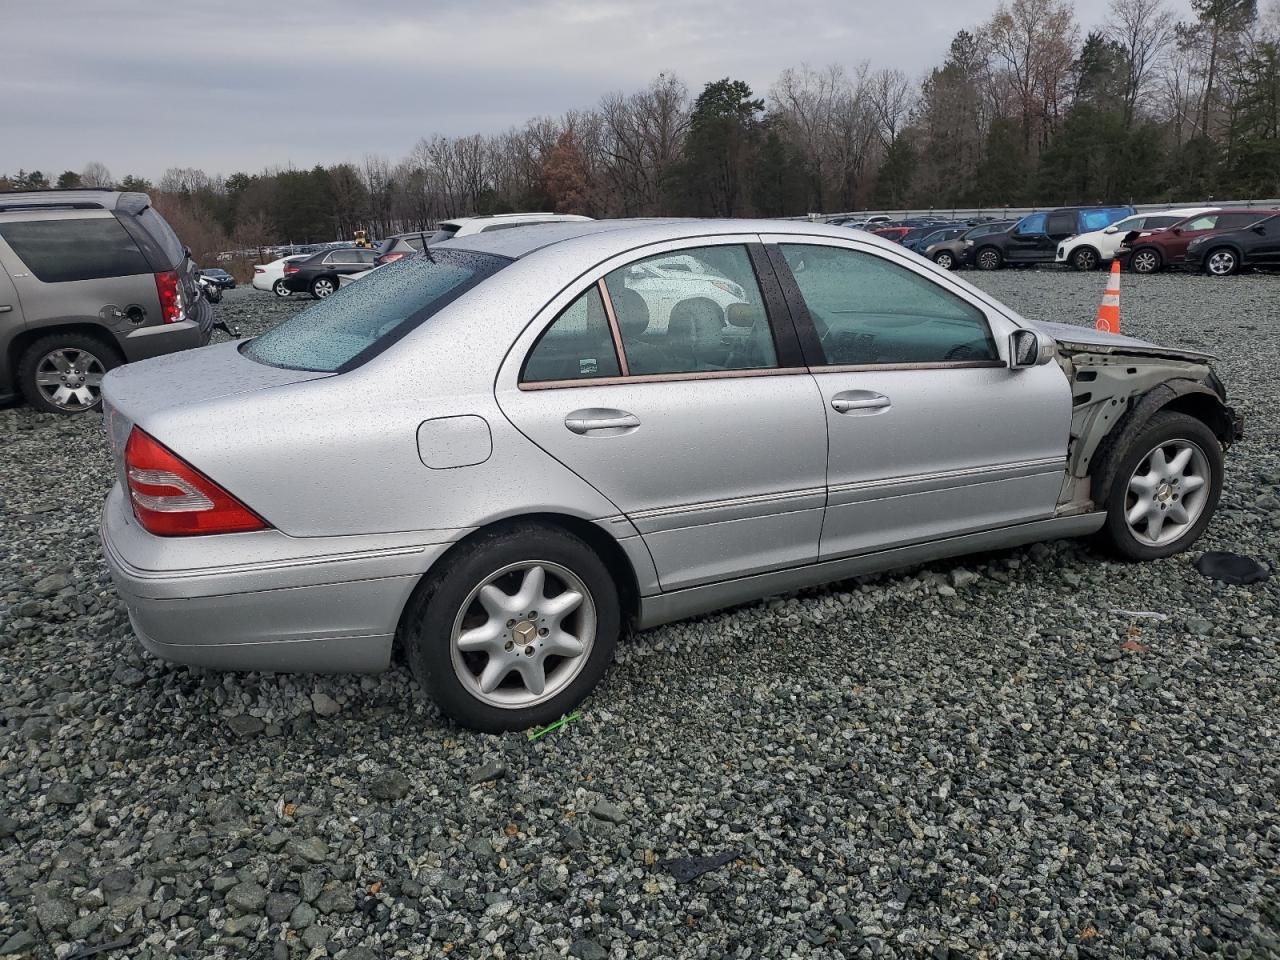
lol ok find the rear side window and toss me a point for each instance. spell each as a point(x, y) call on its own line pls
point(867, 310)
point(1233, 221)
point(1158, 223)
point(1064, 222)
point(344, 330)
point(92, 248)
point(577, 346)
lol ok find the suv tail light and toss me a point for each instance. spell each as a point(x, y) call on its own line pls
point(171, 498)
point(170, 296)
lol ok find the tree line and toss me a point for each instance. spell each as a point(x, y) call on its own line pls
point(1025, 109)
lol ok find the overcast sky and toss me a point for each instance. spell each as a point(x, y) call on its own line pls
point(143, 85)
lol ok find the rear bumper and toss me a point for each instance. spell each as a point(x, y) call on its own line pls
point(269, 602)
point(155, 341)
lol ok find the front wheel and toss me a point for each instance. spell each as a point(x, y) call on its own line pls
point(1085, 258)
point(515, 630)
point(1222, 262)
point(322, 287)
point(988, 258)
point(1146, 260)
point(1165, 488)
point(945, 259)
point(279, 289)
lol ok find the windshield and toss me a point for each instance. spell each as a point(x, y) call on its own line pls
point(345, 329)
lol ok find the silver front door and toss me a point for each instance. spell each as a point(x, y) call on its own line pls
point(931, 435)
point(677, 403)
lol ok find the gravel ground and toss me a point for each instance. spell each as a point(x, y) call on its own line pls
point(982, 759)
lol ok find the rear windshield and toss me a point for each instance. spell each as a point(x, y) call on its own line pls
point(362, 319)
point(88, 248)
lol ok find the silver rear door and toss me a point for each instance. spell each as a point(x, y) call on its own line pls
point(931, 435)
point(720, 470)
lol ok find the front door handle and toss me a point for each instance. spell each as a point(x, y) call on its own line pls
point(859, 401)
point(601, 422)
point(5, 308)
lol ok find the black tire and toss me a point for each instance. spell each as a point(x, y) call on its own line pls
point(427, 628)
point(1227, 256)
point(945, 259)
point(1165, 426)
point(213, 294)
point(1085, 258)
point(322, 287)
point(280, 290)
point(106, 355)
point(988, 258)
point(1146, 260)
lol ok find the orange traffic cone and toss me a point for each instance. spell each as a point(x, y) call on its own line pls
point(1109, 312)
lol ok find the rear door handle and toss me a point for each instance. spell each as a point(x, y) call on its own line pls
point(856, 401)
point(601, 422)
point(5, 308)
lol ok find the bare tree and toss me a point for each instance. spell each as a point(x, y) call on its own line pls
point(1144, 28)
point(891, 99)
point(1034, 43)
point(96, 174)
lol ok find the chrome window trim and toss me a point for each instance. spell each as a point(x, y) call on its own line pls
point(919, 365)
point(703, 505)
point(664, 378)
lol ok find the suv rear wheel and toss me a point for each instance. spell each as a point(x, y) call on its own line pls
point(62, 373)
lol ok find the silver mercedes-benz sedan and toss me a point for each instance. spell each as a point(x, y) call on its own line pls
point(501, 453)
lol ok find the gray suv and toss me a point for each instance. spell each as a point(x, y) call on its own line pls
point(89, 280)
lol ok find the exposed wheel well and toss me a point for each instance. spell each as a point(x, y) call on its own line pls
point(18, 345)
point(1207, 409)
point(605, 546)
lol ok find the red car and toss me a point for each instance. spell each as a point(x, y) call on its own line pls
point(893, 233)
point(1149, 252)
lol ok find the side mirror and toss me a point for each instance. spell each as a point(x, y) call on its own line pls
point(1260, 230)
point(1025, 350)
point(1111, 230)
point(1177, 230)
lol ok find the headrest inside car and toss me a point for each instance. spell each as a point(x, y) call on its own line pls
point(743, 314)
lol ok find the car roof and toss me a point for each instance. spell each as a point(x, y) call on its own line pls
point(77, 198)
point(610, 237)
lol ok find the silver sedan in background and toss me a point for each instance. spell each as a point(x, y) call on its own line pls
point(501, 453)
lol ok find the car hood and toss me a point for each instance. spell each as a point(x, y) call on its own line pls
point(1075, 338)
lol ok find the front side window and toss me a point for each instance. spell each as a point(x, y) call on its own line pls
point(341, 331)
point(1207, 222)
point(705, 315)
point(577, 346)
point(868, 310)
point(90, 248)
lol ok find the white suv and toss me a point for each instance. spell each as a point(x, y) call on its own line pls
point(1086, 251)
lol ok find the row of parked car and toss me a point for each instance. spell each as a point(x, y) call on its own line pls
point(1217, 240)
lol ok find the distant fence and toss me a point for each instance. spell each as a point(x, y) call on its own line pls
point(1011, 213)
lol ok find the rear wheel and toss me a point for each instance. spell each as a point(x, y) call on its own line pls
point(1146, 260)
point(515, 630)
point(62, 373)
point(279, 289)
point(1166, 488)
point(1085, 258)
point(945, 259)
point(988, 258)
point(1222, 262)
point(322, 287)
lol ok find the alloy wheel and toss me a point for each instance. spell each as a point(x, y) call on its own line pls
point(989, 260)
point(322, 288)
point(1167, 492)
point(1146, 261)
point(1222, 263)
point(279, 289)
point(944, 261)
point(70, 378)
point(1085, 259)
point(523, 634)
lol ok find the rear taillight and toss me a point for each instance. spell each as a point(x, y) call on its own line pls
point(171, 498)
point(291, 269)
point(170, 296)
point(259, 270)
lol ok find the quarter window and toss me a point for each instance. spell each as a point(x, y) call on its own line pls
point(700, 311)
point(577, 346)
point(89, 248)
point(868, 310)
